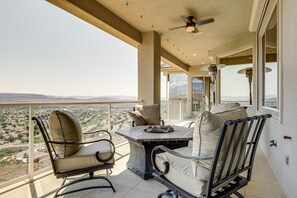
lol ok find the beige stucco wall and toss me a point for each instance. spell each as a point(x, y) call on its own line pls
point(275, 130)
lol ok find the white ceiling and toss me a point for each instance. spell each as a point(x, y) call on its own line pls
point(231, 21)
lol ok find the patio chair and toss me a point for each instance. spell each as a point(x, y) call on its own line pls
point(69, 155)
point(220, 108)
point(146, 115)
point(220, 161)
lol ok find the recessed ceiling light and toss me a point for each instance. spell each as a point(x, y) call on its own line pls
point(194, 54)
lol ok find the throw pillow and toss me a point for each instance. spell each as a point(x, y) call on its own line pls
point(206, 134)
point(137, 118)
point(65, 127)
point(223, 107)
point(151, 113)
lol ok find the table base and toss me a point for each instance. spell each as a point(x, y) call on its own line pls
point(140, 156)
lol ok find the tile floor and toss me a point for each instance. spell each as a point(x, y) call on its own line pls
point(129, 185)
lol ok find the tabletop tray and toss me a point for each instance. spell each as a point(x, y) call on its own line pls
point(159, 129)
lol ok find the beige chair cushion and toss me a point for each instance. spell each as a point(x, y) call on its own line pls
point(85, 157)
point(137, 118)
point(180, 171)
point(64, 127)
point(151, 113)
point(192, 175)
point(223, 107)
point(205, 137)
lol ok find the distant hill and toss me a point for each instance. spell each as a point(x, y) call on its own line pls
point(24, 97)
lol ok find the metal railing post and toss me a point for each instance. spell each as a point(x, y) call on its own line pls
point(168, 111)
point(180, 110)
point(31, 143)
point(31, 108)
point(109, 117)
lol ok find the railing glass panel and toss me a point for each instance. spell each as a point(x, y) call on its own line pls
point(14, 133)
point(16, 147)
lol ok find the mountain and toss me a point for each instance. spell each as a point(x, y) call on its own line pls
point(24, 97)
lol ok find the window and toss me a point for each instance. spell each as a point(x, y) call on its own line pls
point(197, 95)
point(239, 89)
point(268, 61)
point(178, 87)
point(270, 66)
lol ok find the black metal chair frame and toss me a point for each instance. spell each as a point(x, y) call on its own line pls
point(236, 177)
point(42, 123)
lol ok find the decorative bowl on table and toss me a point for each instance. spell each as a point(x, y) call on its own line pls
point(159, 129)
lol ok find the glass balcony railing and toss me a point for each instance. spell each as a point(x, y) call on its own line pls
point(174, 111)
point(22, 150)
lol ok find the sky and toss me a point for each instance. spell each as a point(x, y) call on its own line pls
point(237, 85)
point(234, 84)
point(45, 50)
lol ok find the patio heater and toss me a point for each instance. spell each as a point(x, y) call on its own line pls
point(212, 70)
point(249, 74)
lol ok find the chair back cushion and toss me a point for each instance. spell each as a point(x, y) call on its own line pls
point(151, 113)
point(137, 118)
point(223, 107)
point(205, 138)
point(65, 127)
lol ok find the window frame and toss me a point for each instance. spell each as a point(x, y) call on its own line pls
point(267, 12)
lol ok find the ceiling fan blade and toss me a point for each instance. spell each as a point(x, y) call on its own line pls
point(175, 28)
point(195, 31)
point(205, 21)
point(184, 18)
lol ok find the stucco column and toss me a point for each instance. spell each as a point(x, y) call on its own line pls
point(189, 96)
point(149, 68)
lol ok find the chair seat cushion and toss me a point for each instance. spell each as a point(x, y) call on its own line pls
point(180, 171)
point(85, 157)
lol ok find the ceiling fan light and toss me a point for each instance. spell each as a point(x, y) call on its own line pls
point(190, 28)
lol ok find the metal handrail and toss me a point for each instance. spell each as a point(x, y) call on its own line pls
point(30, 104)
point(32, 107)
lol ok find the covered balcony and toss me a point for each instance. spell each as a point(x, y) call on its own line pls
point(250, 40)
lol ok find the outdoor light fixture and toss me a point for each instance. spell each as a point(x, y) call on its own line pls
point(249, 74)
point(212, 70)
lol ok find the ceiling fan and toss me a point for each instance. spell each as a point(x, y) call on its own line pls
point(191, 24)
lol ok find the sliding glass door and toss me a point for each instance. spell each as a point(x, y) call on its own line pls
point(200, 94)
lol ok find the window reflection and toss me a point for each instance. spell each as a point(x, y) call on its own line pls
point(239, 89)
point(271, 77)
